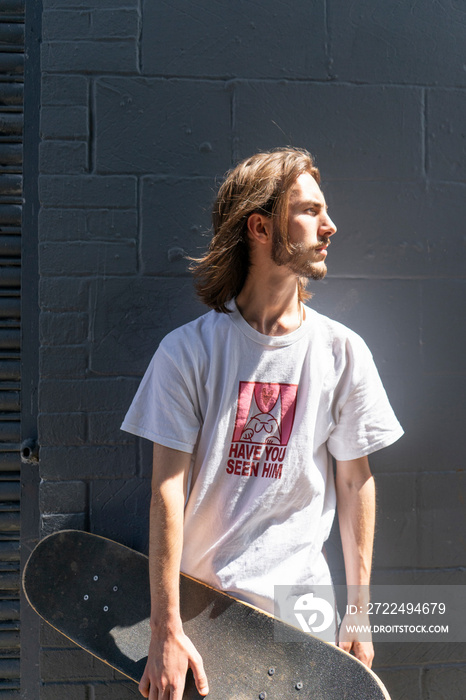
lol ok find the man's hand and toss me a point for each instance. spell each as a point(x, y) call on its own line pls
point(171, 653)
point(169, 658)
point(348, 638)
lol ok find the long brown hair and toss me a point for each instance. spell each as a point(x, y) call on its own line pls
point(258, 184)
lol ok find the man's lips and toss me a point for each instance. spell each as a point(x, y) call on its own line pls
point(322, 248)
point(323, 245)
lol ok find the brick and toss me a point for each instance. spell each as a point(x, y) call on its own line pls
point(406, 654)
point(88, 190)
point(49, 637)
point(89, 4)
point(442, 519)
point(170, 232)
point(63, 328)
point(111, 56)
point(104, 429)
point(235, 39)
point(79, 24)
point(64, 122)
point(443, 333)
point(444, 683)
point(63, 497)
point(63, 157)
point(88, 258)
point(64, 90)
point(415, 654)
point(340, 124)
point(62, 224)
point(63, 294)
point(72, 665)
point(376, 43)
point(401, 684)
point(116, 691)
point(58, 691)
point(112, 224)
point(110, 499)
point(419, 577)
point(59, 429)
point(90, 395)
point(397, 542)
point(63, 362)
point(95, 224)
point(446, 137)
point(108, 690)
point(390, 230)
point(170, 139)
point(62, 521)
point(128, 325)
point(372, 309)
point(62, 462)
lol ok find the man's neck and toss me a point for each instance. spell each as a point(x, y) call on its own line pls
point(271, 307)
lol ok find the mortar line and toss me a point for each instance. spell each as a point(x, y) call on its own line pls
point(139, 39)
point(91, 116)
point(425, 152)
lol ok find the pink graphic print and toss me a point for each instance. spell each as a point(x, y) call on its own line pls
point(265, 413)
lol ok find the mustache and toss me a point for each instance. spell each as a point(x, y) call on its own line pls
point(325, 240)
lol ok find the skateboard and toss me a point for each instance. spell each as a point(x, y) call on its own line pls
point(96, 593)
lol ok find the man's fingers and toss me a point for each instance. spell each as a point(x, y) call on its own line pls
point(364, 652)
point(346, 646)
point(144, 685)
point(154, 692)
point(199, 674)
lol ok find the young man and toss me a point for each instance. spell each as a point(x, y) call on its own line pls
point(246, 406)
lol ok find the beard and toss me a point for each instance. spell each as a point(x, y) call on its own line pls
point(300, 259)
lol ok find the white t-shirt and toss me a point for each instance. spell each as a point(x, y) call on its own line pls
point(262, 416)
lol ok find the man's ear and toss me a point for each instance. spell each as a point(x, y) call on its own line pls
point(260, 228)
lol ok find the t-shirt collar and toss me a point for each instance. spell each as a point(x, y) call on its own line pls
point(269, 340)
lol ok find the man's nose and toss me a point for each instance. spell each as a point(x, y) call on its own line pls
point(328, 226)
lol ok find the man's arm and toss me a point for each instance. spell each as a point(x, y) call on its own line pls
point(356, 514)
point(171, 652)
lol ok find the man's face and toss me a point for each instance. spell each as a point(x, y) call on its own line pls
point(309, 231)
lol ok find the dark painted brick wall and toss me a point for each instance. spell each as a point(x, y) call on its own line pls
point(144, 106)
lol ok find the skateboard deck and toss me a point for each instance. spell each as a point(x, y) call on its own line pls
point(96, 593)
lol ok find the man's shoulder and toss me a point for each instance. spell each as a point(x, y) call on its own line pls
point(194, 332)
point(331, 328)
point(343, 342)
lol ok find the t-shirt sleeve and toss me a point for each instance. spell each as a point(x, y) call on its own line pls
point(164, 408)
point(364, 419)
